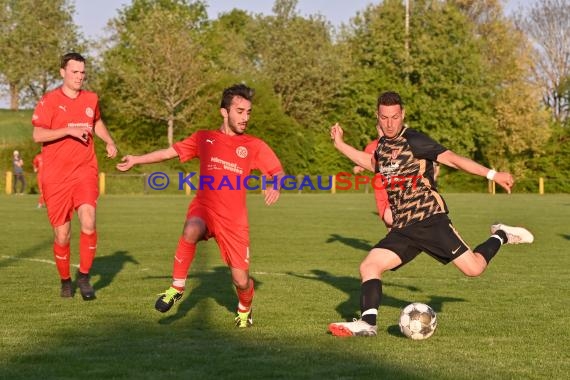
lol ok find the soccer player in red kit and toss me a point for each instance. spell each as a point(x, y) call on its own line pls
point(380, 194)
point(65, 121)
point(227, 155)
point(38, 164)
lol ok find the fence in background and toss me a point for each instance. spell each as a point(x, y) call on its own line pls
point(139, 184)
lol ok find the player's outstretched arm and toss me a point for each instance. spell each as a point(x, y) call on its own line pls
point(129, 161)
point(451, 159)
point(360, 158)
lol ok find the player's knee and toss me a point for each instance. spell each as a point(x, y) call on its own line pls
point(194, 231)
point(370, 268)
point(241, 283)
point(61, 238)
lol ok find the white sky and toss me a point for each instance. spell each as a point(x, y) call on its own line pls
point(92, 16)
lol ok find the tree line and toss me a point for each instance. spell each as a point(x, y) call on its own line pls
point(494, 88)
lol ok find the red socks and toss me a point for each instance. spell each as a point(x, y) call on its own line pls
point(182, 259)
point(245, 297)
point(61, 256)
point(87, 250)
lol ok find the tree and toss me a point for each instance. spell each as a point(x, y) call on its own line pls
point(157, 67)
point(298, 56)
point(33, 36)
point(521, 126)
point(547, 23)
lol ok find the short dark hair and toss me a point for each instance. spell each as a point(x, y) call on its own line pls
point(389, 98)
point(71, 57)
point(230, 93)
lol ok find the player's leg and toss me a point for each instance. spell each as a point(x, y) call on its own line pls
point(233, 242)
point(85, 192)
point(194, 230)
point(60, 210)
point(473, 263)
point(61, 254)
point(245, 290)
point(378, 261)
point(87, 249)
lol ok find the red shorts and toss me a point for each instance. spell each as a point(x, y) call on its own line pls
point(232, 239)
point(62, 199)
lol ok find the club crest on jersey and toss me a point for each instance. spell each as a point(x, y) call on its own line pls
point(241, 151)
point(89, 112)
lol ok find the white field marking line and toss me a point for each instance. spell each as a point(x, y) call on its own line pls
point(34, 260)
point(190, 274)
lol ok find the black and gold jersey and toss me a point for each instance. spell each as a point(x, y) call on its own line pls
point(406, 164)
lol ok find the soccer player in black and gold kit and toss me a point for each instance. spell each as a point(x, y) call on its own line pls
point(417, 212)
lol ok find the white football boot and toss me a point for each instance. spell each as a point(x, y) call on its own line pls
point(515, 235)
point(355, 328)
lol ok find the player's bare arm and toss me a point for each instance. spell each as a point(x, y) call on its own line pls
point(273, 192)
point(102, 132)
point(451, 159)
point(360, 158)
point(129, 161)
point(41, 135)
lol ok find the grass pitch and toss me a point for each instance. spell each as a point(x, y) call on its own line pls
point(511, 323)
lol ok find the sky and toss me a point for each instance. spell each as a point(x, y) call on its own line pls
point(92, 16)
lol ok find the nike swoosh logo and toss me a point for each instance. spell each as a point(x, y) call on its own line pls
point(455, 250)
point(61, 257)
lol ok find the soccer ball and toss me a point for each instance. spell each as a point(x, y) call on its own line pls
point(418, 321)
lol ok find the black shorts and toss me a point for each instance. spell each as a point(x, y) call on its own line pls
point(436, 236)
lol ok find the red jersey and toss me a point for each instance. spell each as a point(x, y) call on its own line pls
point(38, 162)
point(225, 161)
point(67, 158)
point(380, 194)
point(371, 147)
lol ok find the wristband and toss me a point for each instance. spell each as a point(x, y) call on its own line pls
point(491, 175)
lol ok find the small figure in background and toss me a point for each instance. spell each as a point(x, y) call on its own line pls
point(18, 168)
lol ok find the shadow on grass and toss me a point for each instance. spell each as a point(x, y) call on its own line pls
point(215, 284)
point(565, 236)
point(349, 308)
point(124, 350)
point(351, 287)
point(107, 267)
point(360, 244)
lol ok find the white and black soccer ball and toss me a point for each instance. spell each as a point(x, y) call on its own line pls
point(418, 321)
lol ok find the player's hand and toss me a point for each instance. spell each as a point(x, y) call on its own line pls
point(505, 180)
point(126, 163)
point(81, 134)
point(337, 134)
point(271, 196)
point(358, 169)
point(112, 150)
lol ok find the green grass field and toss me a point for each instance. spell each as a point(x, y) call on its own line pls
point(511, 323)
